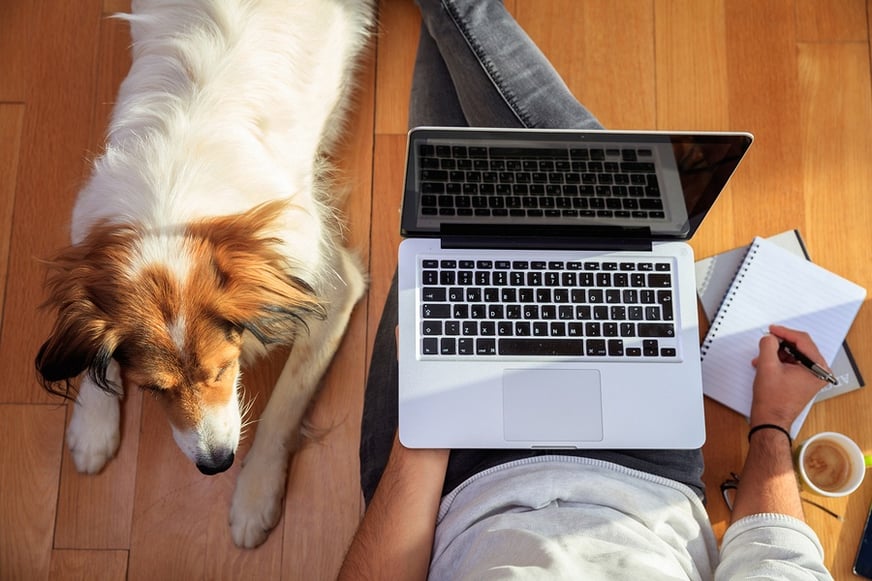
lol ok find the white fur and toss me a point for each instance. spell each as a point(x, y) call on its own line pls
point(94, 432)
point(230, 104)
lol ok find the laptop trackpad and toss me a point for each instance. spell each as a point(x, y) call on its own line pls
point(552, 405)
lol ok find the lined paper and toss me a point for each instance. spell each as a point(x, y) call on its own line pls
point(773, 286)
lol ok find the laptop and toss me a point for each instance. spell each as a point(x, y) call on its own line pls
point(547, 294)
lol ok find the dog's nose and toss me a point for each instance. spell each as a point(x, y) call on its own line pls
point(216, 463)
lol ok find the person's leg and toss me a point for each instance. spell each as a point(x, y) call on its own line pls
point(433, 101)
point(500, 76)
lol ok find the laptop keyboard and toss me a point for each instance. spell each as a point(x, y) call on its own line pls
point(602, 309)
point(570, 182)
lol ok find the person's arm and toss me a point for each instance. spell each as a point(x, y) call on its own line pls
point(781, 391)
point(395, 538)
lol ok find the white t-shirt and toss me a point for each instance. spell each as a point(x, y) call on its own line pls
point(566, 517)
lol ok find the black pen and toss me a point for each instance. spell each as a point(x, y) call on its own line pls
point(790, 350)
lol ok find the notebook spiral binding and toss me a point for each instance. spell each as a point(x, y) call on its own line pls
point(727, 300)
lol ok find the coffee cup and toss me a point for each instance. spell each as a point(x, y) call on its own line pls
point(831, 464)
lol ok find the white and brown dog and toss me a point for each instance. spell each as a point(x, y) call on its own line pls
point(206, 234)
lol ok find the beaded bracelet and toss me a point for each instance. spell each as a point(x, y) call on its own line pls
point(771, 427)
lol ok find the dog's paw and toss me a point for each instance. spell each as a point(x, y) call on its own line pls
point(94, 433)
point(257, 503)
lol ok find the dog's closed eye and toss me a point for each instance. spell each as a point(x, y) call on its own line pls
point(222, 370)
point(152, 387)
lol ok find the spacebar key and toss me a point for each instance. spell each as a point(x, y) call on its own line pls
point(541, 347)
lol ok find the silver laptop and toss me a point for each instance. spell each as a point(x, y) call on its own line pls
point(546, 292)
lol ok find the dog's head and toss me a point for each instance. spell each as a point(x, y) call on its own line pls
point(172, 308)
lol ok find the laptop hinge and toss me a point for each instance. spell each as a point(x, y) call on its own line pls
point(551, 237)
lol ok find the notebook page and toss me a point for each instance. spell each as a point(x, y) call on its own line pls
point(773, 286)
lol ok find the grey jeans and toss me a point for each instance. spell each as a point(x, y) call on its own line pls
point(476, 67)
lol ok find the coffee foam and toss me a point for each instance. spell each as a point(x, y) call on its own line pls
point(827, 465)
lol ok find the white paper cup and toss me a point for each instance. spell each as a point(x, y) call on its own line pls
point(831, 464)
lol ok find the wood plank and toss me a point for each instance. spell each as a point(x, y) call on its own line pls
point(55, 133)
point(397, 46)
point(837, 144)
point(388, 182)
point(693, 91)
point(115, 6)
point(826, 21)
point(31, 458)
point(764, 99)
point(604, 50)
point(691, 80)
point(11, 122)
point(88, 565)
point(17, 35)
point(96, 511)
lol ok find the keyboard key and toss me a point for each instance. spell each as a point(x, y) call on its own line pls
point(615, 347)
point(656, 330)
point(433, 294)
point(431, 328)
point(430, 346)
point(486, 346)
point(533, 347)
point(659, 280)
point(650, 348)
point(596, 347)
point(436, 311)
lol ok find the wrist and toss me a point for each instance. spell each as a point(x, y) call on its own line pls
point(770, 430)
point(425, 460)
point(776, 419)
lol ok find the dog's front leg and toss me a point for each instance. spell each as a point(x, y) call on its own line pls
point(260, 488)
point(95, 428)
point(257, 500)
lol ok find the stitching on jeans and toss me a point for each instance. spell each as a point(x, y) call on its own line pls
point(495, 77)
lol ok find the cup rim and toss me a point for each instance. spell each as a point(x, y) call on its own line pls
point(857, 457)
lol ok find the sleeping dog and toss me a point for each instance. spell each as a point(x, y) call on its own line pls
point(206, 234)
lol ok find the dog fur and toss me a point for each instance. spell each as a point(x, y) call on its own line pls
point(207, 234)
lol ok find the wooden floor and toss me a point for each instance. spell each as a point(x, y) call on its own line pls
point(796, 73)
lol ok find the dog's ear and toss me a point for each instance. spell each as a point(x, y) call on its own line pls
point(75, 345)
point(81, 338)
point(284, 305)
point(256, 288)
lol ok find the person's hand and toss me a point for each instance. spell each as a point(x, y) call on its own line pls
point(783, 388)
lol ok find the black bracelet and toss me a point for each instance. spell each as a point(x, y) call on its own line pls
point(771, 427)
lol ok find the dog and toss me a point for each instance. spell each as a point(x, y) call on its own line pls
point(207, 234)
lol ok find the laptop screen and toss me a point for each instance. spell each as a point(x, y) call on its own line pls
point(598, 184)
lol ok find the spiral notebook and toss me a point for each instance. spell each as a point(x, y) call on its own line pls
point(714, 274)
point(773, 285)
